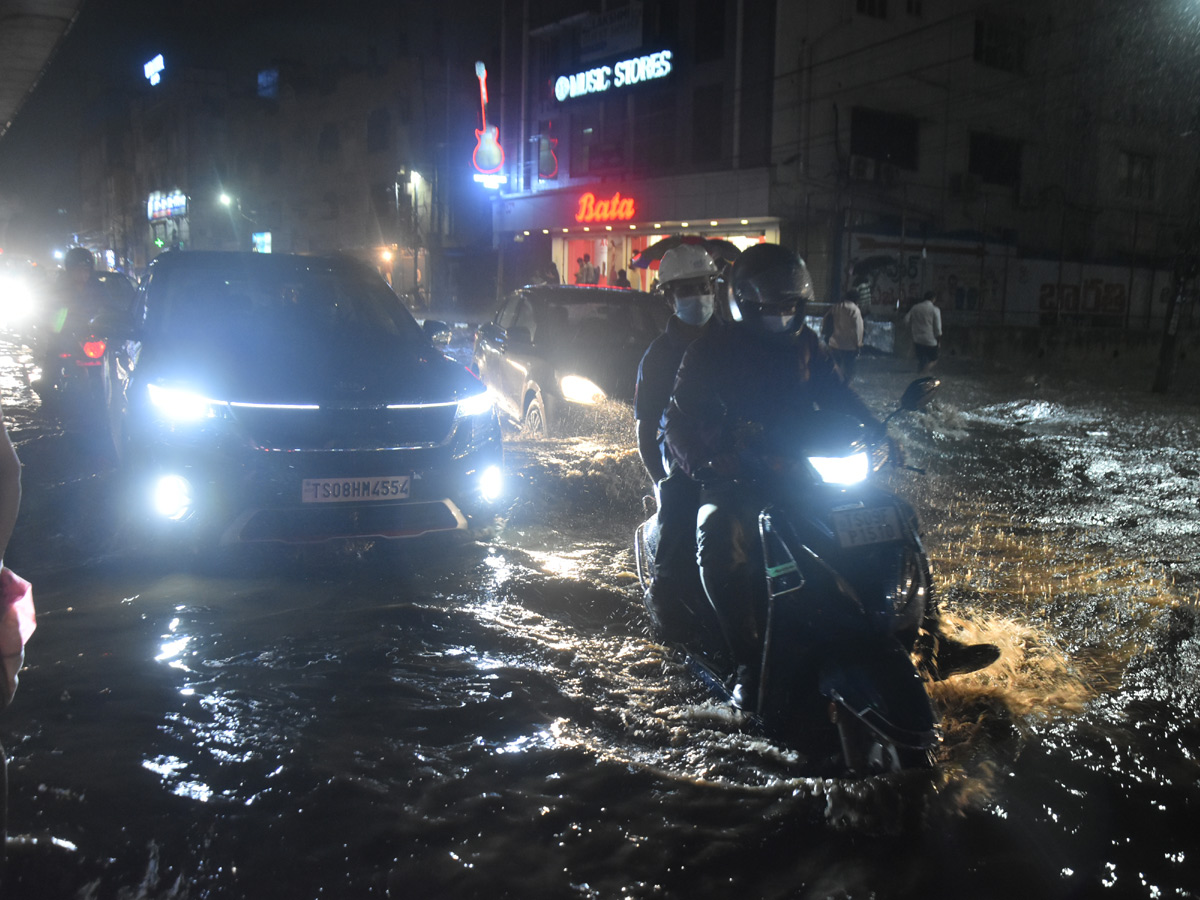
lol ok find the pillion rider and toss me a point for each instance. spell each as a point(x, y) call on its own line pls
point(687, 276)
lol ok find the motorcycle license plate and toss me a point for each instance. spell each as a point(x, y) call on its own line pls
point(856, 527)
point(355, 490)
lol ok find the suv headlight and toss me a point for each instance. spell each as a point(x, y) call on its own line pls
point(476, 405)
point(578, 389)
point(180, 405)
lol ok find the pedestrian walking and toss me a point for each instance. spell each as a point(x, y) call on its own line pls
point(844, 334)
point(925, 320)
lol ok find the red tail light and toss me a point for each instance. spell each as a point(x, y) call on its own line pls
point(93, 348)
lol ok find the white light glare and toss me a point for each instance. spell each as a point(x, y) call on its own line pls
point(180, 405)
point(578, 389)
point(173, 497)
point(491, 483)
point(841, 469)
point(478, 405)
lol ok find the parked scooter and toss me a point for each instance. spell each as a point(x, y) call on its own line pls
point(847, 583)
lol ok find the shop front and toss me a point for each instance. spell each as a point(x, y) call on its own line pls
point(610, 223)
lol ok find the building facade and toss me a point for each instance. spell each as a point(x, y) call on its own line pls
point(1022, 160)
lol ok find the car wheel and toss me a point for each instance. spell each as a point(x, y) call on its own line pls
point(536, 423)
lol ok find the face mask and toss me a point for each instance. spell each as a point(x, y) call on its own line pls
point(694, 310)
point(778, 324)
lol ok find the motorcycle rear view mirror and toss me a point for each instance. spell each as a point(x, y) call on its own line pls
point(917, 395)
point(439, 333)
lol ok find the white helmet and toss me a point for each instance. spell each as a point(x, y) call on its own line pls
point(686, 261)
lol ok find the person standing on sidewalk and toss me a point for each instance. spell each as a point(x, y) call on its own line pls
point(925, 320)
point(845, 334)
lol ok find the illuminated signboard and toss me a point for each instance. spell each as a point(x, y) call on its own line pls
point(154, 69)
point(489, 155)
point(166, 206)
point(614, 208)
point(618, 75)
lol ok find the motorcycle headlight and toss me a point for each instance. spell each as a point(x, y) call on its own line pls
point(842, 469)
point(181, 405)
point(578, 389)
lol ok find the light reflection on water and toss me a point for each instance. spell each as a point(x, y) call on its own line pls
point(496, 723)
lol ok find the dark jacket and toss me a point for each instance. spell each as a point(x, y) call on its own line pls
point(656, 371)
point(733, 377)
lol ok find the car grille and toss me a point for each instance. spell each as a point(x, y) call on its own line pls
point(314, 525)
point(366, 428)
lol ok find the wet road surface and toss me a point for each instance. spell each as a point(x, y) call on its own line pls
point(490, 720)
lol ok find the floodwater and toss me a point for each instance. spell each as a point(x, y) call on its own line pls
point(490, 720)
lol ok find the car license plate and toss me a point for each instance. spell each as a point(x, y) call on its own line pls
point(351, 490)
point(856, 527)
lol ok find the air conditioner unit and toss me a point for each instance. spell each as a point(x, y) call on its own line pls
point(862, 168)
point(964, 185)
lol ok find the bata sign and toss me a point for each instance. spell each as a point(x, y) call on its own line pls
point(615, 207)
point(622, 74)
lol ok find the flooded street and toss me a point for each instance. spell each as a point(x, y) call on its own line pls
point(491, 720)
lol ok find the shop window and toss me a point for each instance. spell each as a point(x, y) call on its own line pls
point(996, 160)
point(1000, 44)
point(270, 157)
point(654, 132)
point(884, 137)
point(710, 30)
point(583, 135)
point(327, 143)
point(598, 138)
point(268, 84)
point(1135, 179)
point(707, 121)
point(379, 130)
point(876, 9)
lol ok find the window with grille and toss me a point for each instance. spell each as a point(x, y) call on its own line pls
point(876, 9)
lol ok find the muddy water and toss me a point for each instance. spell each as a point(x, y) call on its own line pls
point(491, 721)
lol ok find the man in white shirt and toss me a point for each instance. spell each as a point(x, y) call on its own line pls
point(845, 334)
point(925, 320)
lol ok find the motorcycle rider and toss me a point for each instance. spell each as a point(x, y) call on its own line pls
point(735, 388)
point(77, 292)
point(687, 276)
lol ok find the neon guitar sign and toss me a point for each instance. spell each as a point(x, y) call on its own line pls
point(489, 155)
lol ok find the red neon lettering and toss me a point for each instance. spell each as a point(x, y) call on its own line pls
point(593, 210)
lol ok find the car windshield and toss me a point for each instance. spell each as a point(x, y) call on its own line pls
point(601, 321)
point(266, 296)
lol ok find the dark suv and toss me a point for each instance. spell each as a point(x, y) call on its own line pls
point(266, 397)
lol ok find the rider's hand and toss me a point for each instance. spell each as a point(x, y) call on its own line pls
point(722, 467)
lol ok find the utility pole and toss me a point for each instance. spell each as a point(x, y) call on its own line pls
point(1183, 280)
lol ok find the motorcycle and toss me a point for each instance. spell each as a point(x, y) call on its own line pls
point(847, 584)
point(71, 369)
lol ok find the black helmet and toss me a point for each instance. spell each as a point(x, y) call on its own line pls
point(769, 280)
point(79, 258)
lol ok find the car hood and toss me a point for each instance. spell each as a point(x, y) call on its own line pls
point(333, 370)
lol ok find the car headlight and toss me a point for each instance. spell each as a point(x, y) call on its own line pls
point(476, 405)
point(842, 469)
point(578, 389)
point(16, 301)
point(181, 405)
